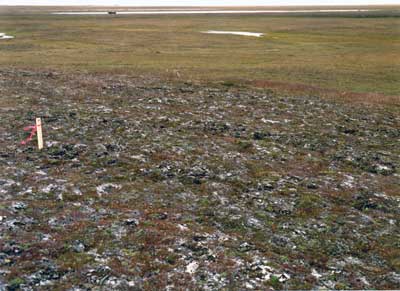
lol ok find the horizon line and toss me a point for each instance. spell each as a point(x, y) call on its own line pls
point(161, 6)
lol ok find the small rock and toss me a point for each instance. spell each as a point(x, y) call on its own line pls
point(18, 205)
point(78, 246)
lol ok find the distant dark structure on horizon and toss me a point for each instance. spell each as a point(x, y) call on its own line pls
point(112, 12)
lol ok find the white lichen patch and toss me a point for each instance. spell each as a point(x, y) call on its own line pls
point(270, 121)
point(182, 227)
point(6, 184)
point(348, 182)
point(106, 188)
point(192, 267)
point(52, 188)
point(315, 274)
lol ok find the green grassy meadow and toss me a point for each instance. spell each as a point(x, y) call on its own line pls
point(349, 52)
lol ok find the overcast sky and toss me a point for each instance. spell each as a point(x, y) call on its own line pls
point(197, 2)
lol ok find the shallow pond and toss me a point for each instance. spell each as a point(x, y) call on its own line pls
point(4, 36)
point(244, 33)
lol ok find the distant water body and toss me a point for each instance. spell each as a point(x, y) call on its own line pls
point(147, 12)
point(244, 33)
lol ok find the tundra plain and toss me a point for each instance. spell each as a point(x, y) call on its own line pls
point(177, 160)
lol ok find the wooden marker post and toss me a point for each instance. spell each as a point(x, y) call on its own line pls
point(39, 133)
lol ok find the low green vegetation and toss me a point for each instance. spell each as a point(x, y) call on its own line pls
point(351, 52)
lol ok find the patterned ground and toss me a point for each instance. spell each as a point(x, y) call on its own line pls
point(150, 185)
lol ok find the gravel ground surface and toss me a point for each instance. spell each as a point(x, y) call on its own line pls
point(152, 185)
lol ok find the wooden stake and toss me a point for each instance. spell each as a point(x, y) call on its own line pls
point(39, 133)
